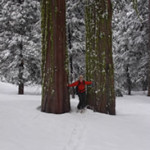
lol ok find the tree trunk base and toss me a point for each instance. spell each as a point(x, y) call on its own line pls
point(21, 89)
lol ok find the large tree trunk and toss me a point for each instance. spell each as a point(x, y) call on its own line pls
point(21, 68)
point(99, 62)
point(55, 96)
point(149, 55)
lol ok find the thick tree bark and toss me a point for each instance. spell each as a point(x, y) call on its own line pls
point(149, 55)
point(99, 62)
point(20, 75)
point(55, 96)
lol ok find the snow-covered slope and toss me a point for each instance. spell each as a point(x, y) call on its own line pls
point(24, 127)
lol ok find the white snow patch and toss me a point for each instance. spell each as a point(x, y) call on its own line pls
point(23, 127)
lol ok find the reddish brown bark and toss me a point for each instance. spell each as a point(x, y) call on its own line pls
point(55, 96)
point(99, 56)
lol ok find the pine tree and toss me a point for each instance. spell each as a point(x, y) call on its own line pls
point(20, 42)
point(99, 63)
point(130, 44)
point(75, 39)
point(76, 36)
point(55, 97)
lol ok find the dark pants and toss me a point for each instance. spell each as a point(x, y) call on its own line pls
point(82, 100)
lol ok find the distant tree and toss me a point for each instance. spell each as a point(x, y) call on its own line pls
point(20, 42)
point(99, 63)
point(55, 96)
point(130, 45)
point(75, 38)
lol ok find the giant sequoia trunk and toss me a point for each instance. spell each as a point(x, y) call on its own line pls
point(55, 97)
point(149, 55)
point(99, 63)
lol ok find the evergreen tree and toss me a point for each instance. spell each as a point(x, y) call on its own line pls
point(20, 42)
point(75, 39)
point(76, 36)
point(130, 43)
point(55, 96)
point(99, 63)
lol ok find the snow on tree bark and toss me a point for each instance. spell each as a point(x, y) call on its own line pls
point(55, 96)
point(99, 63)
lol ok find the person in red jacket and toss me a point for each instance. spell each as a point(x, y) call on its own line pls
point(80, 84)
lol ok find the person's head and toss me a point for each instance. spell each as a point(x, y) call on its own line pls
point(81, 78)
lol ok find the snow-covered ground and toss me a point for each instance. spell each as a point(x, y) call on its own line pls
point(24, 127)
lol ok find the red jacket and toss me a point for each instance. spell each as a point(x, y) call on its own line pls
point(81, 85)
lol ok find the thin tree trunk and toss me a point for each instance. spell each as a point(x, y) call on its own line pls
point(99, 62)
point(129, 84)
point(149, 55)
point(20, 75)
point(55, 95)
point(21, 65)
point(71, 71)
point(71, 60)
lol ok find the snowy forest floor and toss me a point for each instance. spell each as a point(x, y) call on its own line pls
point(24, 127)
